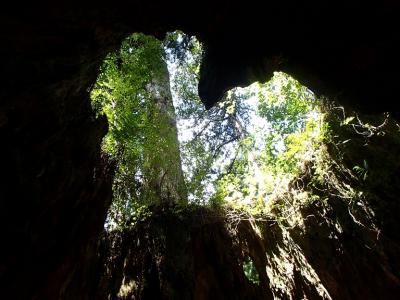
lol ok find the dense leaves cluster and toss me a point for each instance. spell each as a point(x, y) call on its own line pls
point(133, 92)
point(251, 144)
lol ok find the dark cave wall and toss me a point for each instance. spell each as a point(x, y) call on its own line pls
point(56, 188)
point(190, 254)
point(198, 254)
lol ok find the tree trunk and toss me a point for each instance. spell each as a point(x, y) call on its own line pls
point(167, 180)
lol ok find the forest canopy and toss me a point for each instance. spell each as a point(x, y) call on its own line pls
point(169, 149)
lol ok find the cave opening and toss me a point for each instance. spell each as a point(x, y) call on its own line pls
point(168, 148)
point(267, 162)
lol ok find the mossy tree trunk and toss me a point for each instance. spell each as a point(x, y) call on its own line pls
point(167, 179)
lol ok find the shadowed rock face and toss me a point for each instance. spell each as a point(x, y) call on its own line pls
point(56, 188)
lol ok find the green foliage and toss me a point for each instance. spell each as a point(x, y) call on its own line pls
point(269, 159)
point(250, 270)
point(227, 159)
point(285, 103)
point(362, 171)
point(215, 133)
point(131, 91)
point(120, 91)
